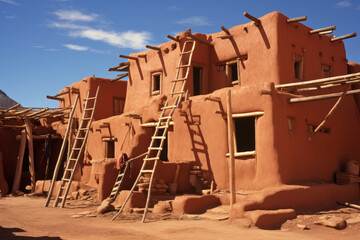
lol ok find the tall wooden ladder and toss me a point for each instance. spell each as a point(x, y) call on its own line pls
point(157, 140)
point(119, 180)
point(77, 149)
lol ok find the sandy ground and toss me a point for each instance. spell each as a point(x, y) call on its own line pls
point(27, 218)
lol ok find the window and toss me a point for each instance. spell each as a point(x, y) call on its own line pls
point(156, 79)
point(197, 80)
point(244, 134)
point(298, 65)
point(118, 105)
point(326, 71)
point(232, 74)
point(110, 149)
point(291, 124)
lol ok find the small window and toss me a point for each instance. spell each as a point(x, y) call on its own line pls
point(232, 73)
point(118, 105)
point(298, 64)
point(244, 134)
point(110, 149)
point(156, 79)
point(197, 80)
point(326, 71)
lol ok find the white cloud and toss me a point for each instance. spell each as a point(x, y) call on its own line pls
point(129, 39)
point(345, 3)
point(65, 25)
point(196, 21)
point(51, 49)
point(174, 8)
point(76, 47)
point(10, 2)
point(10, 17)
point(73, 15)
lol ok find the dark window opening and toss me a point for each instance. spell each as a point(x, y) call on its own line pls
point(118, 105)
point(156, 83)
point(298, 68)
point(164, 151)
point(197, 80)
point(110, 149)
point(234, 72)
point(326, 71)
point(245, 134)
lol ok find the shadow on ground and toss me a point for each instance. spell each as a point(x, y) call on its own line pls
point(8, 234)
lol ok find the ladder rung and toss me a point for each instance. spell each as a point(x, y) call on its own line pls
point(151, 159)
point(183, 66)
point(66, 179)
point(183, 53)
point(70, 170)
point(168, 107)
point(162, 126)
point(83, 129)
point(155, 148)
point(90, 98)
point(147, 171)
point(63, 187)
point(88, 109)
point(179, 79)
point(80, 138)
point(174, 93)
point(158, 137)
point(77, 149)
point(86, 119)
point(163, 118)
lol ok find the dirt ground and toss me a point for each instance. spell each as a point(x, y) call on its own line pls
point(26, 218)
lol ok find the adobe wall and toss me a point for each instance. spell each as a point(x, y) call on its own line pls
point(259, 44)
point(294, 38)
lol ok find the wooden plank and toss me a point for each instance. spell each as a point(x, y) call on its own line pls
point(322, 29)
point(19, 163)
point(128, 57)
point(230, 128)
point(252, 18)
point(153, 48)
point(243, 154)
point(54, 98)
point(31, 152)
point(172, 38)
point(297, 19)
point(322, 97)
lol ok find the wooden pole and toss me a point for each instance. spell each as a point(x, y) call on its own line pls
point(61, 154)
point(343, 37)
point(298, 19)
point(128, 57)
point(172, 38)
point(153, 48)
point(322, 29)
point(54, 98)
point(226, 31)
point(119, 77)
point(331, 111)
point(322, 97)
point(252, 18)
point(31, 152)
point(230, 128)
point(325, 32)
point(19, 163)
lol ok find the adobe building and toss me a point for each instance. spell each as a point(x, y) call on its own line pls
point(294, 110)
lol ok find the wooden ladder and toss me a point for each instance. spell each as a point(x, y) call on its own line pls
point(161, 128)
point(61, 154)
point(117, 186)
point(77, 149)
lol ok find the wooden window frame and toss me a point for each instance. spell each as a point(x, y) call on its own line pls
point(121, 108)
point(154, 92)
point(228, 72)
point(297, 59)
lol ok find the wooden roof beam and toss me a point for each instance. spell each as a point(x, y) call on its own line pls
point(54, 98)
point(322, 29)
point(153, 48)
point(228, 34)
point(297, 19)
point(128, 57)
point(252, 18)
point(121, 76)
point(176, 39)
point(322, 97)
point(343, 37)
point(189, 34)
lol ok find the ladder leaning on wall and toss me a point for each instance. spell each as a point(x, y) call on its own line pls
point(77, 149)
point(157, 140)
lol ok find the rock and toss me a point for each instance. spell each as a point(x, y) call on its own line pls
point(28, 188)
point(335, 222)
point(270, 219)
point(137, 210)
point(83, 192)
point(162, 207)
point(75, 195)
point(84, 213)
point(242, 222)
point(91, 215)
point(353, 220)
point(85, 197)
point(303, 227)
point(105, 206)
point(76, 216)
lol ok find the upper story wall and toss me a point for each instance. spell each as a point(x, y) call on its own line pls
point(315, 51)
point(110, 100)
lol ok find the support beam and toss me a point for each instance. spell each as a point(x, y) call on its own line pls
point(31, 152)
point(322, 29)
point(325, 32)
point(128, 57)
point(252, 18)
point(54, 98)
point(10, 108)
point(19, 163)
point(177, 39)
point(250, 114)
point(297, 19)
point(343, 37)
point(121, 76)
point(322, 97)
point(153, 48)
point(230, 131)
point(228, 34)
point(189, 34)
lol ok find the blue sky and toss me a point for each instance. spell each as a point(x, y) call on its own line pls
point(48, 44)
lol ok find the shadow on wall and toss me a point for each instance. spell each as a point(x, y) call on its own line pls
point(198, 143)
point(8, 234)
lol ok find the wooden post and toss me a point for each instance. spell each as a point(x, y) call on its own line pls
point(153, 48)
point(252, 18)
point(128, 57)
point(230, 128)
point(31, 152)
point(19, 163)
point(322, 29)
point(173, 38)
